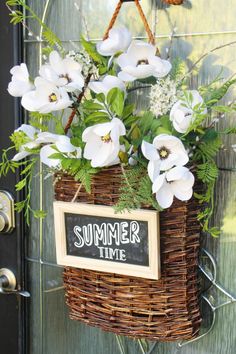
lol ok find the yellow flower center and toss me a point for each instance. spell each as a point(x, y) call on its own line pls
point(106, 138)
point(164, 152)
point(53, 97)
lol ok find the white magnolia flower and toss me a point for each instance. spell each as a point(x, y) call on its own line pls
point(162, 96)
point(46, 97)
point(63, 72)
point(109, 82)
point(177, 182)
point(59, 143)
point(183, 116)
point(165, 152)
point(31, 135)
point(118, 40)
point(20, 82)
point(141, 62)
point(102, 142)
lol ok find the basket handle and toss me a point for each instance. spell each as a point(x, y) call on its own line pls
point(142, 15)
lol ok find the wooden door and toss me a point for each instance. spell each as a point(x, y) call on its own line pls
point(199, 27)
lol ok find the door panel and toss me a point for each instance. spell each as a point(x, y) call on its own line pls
point(51, 330)
point(11, 245)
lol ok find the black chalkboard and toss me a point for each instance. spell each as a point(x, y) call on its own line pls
point(95, 237)
point(112, 239)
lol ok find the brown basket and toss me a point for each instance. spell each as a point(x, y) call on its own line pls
point(164, 310)
point(174, 2)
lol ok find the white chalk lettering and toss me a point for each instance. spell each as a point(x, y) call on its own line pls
point(134, 230)
point(80, 242)
point(107, 234)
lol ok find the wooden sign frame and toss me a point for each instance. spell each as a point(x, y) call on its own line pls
point(152, 271)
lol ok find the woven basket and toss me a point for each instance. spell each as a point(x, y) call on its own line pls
point(164, 310)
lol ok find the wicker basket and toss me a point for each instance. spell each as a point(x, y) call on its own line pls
point(164, 310)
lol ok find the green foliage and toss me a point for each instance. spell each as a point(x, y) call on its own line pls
point(17, 16)
point(26, 169)
point(40, 121)
point(80, 169)
point(208, 146)
point(115, 100)
point(135, 190)
point(178, 69)
point(207, 172)
point(217, 93)
point(101, 61)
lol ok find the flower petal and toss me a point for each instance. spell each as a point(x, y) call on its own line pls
point(153, 169)
point(28, 130)
point(45, 152)
point(165, 197)
point(64, 145)
point(159, 182)
point(21, 155)
point(149, 151)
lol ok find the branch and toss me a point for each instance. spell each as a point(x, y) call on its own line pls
point(79, 99)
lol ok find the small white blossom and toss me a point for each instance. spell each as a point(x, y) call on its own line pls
point(165, 152)
point(177, 182)
point(62, 72)
point(46, 97)
point(182, 113)
point(56, 142)
point(140, 61)
point(118, 40)
point(103, 143)
point(163, 96)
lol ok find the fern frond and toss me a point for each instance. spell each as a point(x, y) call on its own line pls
point(207, 172)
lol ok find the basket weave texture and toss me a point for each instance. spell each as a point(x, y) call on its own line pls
point(165, 309)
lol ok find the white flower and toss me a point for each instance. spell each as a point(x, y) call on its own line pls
point(165, 152)
point(141, 62)
point(182, 116)
point(162, 96)
point(60, 143)
point(31, 135)
point(46, 97)
point(109, 82)
point(234, 147)
point(177, 182)
point(118, 40)
point(20, 82)
point(63, 72)
point(102, 142)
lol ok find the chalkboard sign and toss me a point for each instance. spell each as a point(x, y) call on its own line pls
point(94, 237)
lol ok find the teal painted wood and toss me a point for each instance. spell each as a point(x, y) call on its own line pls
point(199, 27)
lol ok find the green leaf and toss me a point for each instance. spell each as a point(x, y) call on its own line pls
point(90, 48)
point(21, 184)
point(39, 214)
point(127, 111)
point(115, 99)
point(92, 106)
point(96, 118)
point(145, 122)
